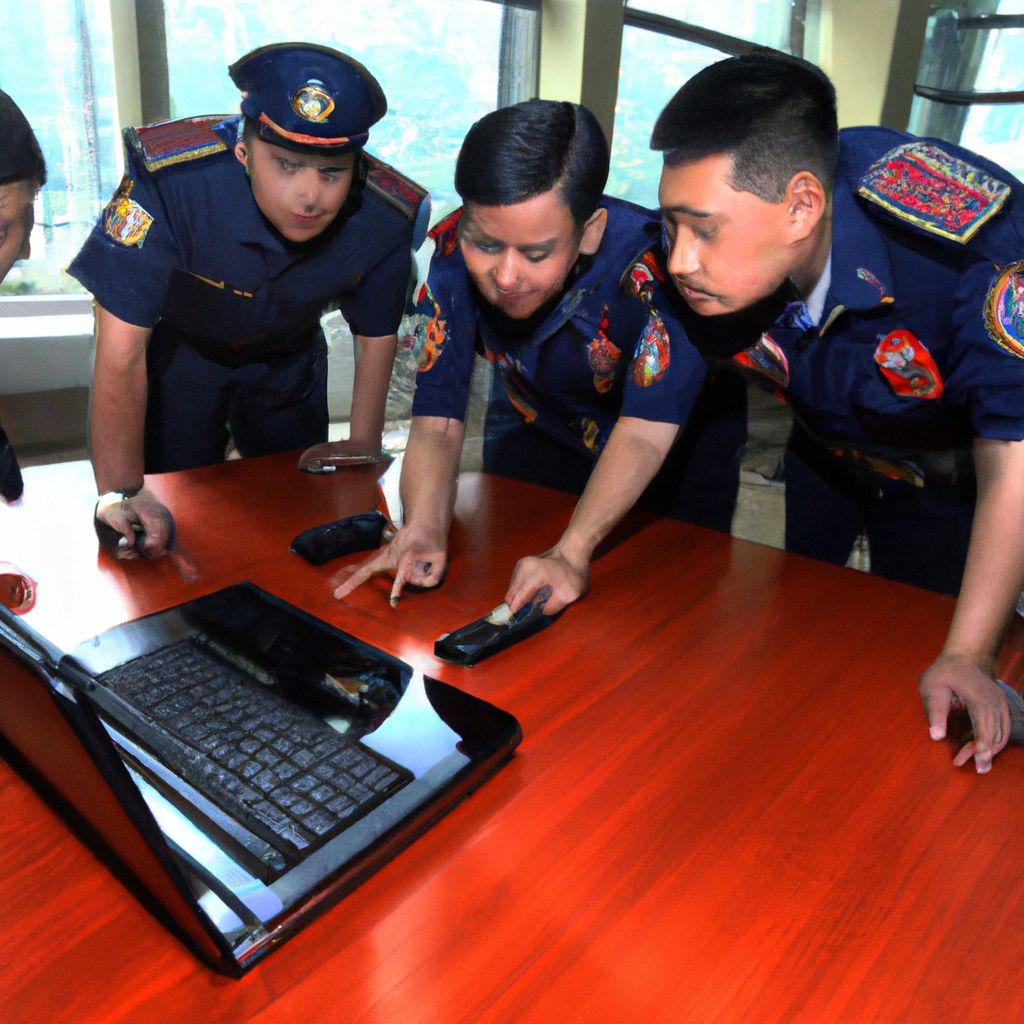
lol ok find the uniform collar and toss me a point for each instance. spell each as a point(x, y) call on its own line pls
point(861, 271)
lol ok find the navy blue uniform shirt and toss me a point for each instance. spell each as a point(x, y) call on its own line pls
point(183, 241)
point(920, 347)
point(611, 347)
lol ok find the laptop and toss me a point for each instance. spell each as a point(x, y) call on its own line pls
point(242, 763)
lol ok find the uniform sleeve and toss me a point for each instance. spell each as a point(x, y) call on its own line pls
point(443, 338)
point(127, 260)
point(375, 308)
point(666, 372)
point(987, 377)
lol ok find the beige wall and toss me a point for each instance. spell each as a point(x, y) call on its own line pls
point(579, 54)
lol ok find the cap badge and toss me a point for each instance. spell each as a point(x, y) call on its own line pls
point(311, 102)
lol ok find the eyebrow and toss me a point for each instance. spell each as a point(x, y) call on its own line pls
point(688, 210)
point(479, 235)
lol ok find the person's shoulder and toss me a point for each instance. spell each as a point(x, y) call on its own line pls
point(164, 146)
point(630, 227)
point(445, 236)
point(933, 188)
point(633, 241)
point(399, 194)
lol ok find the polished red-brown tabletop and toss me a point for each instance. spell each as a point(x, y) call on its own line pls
point(725, 808)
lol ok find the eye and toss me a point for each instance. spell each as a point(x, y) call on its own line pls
point(536, 257)
point(487, 247)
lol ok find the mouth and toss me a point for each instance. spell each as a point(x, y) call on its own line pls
point(694, 295)
point(304, 221)
point(510, 300)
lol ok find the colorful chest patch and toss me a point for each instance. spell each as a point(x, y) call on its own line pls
point(908, 366)
point(651, 358)
point(603, 356)
point(927, 186)
point(638, 280)
point(766, 358)
point(1004, 310)
point(124, 220)
point(426, 332)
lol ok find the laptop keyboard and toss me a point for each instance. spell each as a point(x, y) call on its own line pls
point(277, 767)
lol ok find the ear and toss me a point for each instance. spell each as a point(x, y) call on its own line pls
point(242, 153)
point(806, 203)
point(593, 232)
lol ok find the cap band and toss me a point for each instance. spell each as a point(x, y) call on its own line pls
point(351, 141)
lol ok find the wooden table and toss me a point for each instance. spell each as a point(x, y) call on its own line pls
point(726, 807)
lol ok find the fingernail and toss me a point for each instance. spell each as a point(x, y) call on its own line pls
point(937, 733)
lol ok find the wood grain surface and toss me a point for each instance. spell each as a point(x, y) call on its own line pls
point(725, 809)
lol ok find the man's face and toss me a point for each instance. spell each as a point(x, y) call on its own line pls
point(519, 256)
point(728, 248)
point(17, 218)
point(299, 193)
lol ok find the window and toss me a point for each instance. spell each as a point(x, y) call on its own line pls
point(970, 82)
point(665, 42)
point(59, 70)
point(419, 50)
point(476, 54)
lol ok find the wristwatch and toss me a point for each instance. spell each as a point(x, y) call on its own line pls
point(115, 497)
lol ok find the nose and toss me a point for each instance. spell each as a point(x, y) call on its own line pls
point(308, 187)
point(506, 271)
point(683, 259)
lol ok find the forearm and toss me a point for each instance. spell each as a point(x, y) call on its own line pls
point(994, 574)
point(430, 472)
point(633, 455)
point(374, 361)
point(118, 404)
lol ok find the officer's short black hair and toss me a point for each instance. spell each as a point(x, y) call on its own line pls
point(21, 159)
point(522, 151)
point(775, 115)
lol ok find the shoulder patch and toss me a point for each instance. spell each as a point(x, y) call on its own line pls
point(401, 192)
point(174, 142)
point(445, 233)
point(925, 185)
point(124, 220)
point(1004, 310)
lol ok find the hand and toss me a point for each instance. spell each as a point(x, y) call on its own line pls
point(415, 557)
point(142, 527)
point(954, 681)
point(568, 581)
point(329, 455)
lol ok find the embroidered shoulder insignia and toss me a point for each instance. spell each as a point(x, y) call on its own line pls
point(175, 142)
point(445, 233)
point(652, 354)
point(1004, 310)
point(925, 185)
point(425, 332)
point(124, 220)
point(402, 193)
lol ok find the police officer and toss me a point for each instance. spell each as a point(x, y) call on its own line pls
point(875, 278)
point(22, 175)
point(560, 287)
point(212, 264)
